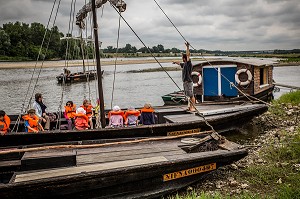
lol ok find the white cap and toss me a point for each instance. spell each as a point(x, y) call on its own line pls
point(116, 108)
point(80, 110)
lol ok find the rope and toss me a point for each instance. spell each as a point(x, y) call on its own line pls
point(198, 112)
point(31, 79)
point(114, 80)
point(70, 31)
point(231, 83)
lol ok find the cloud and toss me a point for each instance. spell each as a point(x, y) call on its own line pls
point(208, 24)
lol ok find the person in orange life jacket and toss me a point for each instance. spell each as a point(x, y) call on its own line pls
point(32, 123)
point(40, 110)
point(4, 123)
point(81, 120)
point(147, 115)
point(70, 110)
point(89, 111)
point(116, 117)
point(131, 117)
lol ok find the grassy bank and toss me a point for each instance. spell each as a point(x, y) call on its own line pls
point(272, 168)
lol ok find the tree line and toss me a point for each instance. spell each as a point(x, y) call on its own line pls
point(23, 41)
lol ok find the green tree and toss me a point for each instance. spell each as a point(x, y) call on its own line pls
point(4, 42)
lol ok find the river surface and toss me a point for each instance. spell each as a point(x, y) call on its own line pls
point(131, 89)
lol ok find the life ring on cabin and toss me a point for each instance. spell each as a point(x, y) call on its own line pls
point(199, 79)
point(244, 83)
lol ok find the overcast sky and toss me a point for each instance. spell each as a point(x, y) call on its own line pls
point(206, 24)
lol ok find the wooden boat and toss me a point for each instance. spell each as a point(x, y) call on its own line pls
point(214, 79)
point(77, 77)
point(141, 169)
point(171, 120)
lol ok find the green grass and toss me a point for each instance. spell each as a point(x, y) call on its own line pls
point(292, 98)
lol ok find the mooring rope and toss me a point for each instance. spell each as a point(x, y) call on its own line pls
point(231, 83)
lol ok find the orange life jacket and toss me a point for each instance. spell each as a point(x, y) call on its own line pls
point(88, 110)
point(81, 121)
point(127, 113)
point(147, 110)
point(70, 110)
point(32, 121)
point(4, 125)
point(116, 113)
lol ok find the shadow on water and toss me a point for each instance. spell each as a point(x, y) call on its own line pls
point(245, 133)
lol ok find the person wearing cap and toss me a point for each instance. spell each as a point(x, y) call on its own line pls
point(187, 68)
point(116, 117)
point(147, 115)
point(32, 122)
point(131, 116)
point(81, 120)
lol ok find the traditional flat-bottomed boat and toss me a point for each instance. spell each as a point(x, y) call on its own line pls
point(142, 169)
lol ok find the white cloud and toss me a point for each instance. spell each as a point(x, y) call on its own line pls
point(208, 24)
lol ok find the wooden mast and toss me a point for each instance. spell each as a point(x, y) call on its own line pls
point(99, 74)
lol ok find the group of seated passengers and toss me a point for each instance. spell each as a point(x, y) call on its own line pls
point(81, 118)
point(119, 118)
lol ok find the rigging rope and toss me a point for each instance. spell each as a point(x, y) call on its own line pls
point(116, 53)
point(231, 83)
point(31, 79)
point(70, 31)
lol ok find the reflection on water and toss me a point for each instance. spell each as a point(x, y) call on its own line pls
point(131, 89)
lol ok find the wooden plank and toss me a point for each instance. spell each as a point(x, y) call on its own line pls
point(166, 144)
point(87, 168)
point(11, 163)
point(49, 153)
point(98, 158)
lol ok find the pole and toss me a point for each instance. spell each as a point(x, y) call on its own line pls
point(99, 73)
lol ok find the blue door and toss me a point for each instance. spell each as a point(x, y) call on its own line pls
point(226, 89)
point(210, 82)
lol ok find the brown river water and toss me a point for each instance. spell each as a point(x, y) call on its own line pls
point(131, 89)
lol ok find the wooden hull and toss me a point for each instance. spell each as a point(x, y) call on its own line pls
point(219, 120)
point(77, 77)
point(134, 171)
point(179, 98)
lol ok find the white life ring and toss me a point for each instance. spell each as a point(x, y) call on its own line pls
point(199, 79)
point(244, 83)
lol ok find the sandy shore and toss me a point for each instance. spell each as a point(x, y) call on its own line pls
point(61, 64)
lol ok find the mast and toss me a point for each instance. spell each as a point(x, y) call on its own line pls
point(81, 15)
point(99, 74)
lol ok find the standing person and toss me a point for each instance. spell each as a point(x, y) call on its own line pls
point(86, 105)
point(4, 123)
point(97, 114)
point(187, 77)
point(40, 111)
point(32, 122)
point(70, 110)
point(147, 115)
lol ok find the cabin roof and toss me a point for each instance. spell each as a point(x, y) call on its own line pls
point(250, 61)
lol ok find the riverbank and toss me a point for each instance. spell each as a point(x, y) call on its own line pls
point(73, 63)
point(272, 168)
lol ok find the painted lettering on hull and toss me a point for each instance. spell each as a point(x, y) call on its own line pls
point(189, 172)
point(175, 133)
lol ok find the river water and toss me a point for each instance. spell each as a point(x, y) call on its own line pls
point(131, 89)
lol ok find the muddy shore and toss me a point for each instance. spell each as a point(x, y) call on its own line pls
point(61, 64)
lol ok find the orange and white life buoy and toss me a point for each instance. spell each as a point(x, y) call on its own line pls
point(244, 83)
point(199, 79)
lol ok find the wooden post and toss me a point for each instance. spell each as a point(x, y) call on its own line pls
point(99, 74)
